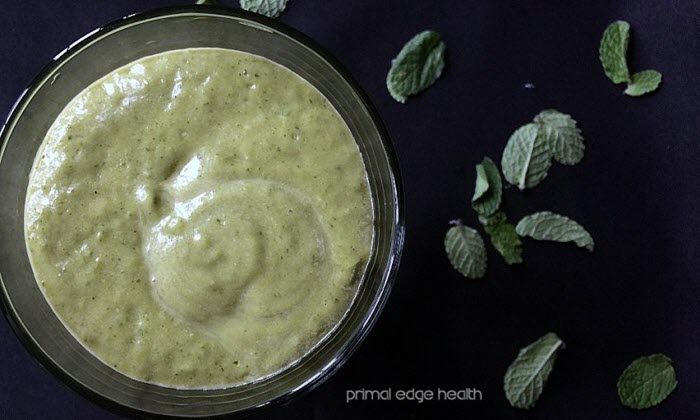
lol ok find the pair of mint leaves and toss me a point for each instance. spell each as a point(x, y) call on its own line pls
point(422, 60)
point(526, 159)
point(646, 382)
point(269, 8)
point(613, 56)
point(528, 155)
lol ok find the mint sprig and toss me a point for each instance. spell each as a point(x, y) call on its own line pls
point(526, 159)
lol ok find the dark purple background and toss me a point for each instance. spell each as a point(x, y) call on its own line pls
point(636, 192)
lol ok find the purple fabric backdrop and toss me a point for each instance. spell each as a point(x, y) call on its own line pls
point(636, 191)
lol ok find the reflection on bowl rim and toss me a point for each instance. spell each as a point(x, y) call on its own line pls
point(371, 314)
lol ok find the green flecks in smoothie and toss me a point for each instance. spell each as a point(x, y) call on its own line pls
point(197, 218)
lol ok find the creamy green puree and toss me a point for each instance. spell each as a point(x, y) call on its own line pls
point(199, 218)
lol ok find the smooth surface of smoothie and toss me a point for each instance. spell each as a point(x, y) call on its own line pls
point(199, 218)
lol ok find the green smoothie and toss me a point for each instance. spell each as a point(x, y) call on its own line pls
point(199, 218)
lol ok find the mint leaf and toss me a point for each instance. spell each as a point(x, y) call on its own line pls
point(526, 376)
point(418, 65)
point(503, 237)
point(526, 157)
point(643, 82)
point(269, 8)
point(548, 226)
point(466, 251)
point(564, 138)
point(647, 381)
point(488, 188)
point(613, 51)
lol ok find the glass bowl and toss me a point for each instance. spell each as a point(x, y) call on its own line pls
point(117, 44)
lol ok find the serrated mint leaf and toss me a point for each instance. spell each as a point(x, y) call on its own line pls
point(269, 8)
point(418, 65)
point(503, 237)
point(466, 251)
point(643, 82)
point(647, 381)
point(526, 157)
point(613, 51)
point(488, 188)
point(548, 226)
point(526, 376)
point(562, 134)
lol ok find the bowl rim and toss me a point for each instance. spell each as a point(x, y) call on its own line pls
point(397, 240)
